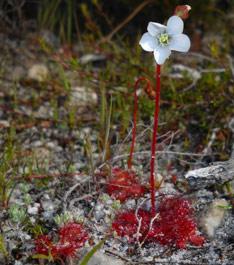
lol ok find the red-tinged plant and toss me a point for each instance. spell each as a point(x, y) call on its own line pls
point(160, 40)
point(127, 224)
point(175, 224)
point(44, 245)
point(72, 236)
point(124, 185)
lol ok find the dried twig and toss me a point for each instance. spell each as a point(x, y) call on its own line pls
point(125, 21)
point(68, 193)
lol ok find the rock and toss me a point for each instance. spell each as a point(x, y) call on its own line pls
point(89, 58)
point(37, 143)
point(168, 189)
point(218, 173)
point(203, 198)
point(100, 258)
point(50, 39)
point(179, 70)
point(214, 216)
point(4, 124)
point(130, 204)
point(98, 212)
point(38, 72)
point(33, 210)
point(44, 112)
point(83, 96)
point(53, 146)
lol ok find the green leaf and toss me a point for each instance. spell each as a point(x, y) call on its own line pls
point(225, 207)
point(3, 249)
point(89, 255)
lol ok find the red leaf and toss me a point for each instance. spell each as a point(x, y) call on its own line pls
point(175, 225)
point(124, 185)
point(72, 236)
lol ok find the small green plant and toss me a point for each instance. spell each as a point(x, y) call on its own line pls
point(63, 218)
point(17, 213)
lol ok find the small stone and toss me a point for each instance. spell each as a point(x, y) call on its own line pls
point(37, 143)
point(38, 72)
point(53, 146)
point(100, 258)
point(4, 124)
point(89, 58)
point(214, 216)
point(98, 212)
point(83, 96)
point(49, 38)
point(130, 204)
point(17, 262)
point(178, 71)
point(44, 112)
point(33, 210)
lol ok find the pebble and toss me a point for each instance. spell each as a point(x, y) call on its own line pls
point(98, 212)
point(4, 124)
point(100, 258)
point(37, 143)
point(33, 210)
point(214, 216)
point(83, 96)
point(89, 58)
point(38, 72)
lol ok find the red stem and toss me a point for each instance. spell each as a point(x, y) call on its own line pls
point(154, 139)
point(134, 125)
point(148, 86)
point(155, 128)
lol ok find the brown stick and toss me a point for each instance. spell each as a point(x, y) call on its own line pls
point(125, 21)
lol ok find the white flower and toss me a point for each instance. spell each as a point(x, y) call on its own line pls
point(162, 39)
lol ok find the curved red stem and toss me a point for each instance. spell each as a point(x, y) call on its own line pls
point(155, 128)
point(154, 139)
point(136, 85)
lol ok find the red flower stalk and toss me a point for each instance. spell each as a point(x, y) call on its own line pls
point(148, 89)
point(124, 185)
point(154, 140)
point(156, 95)
point(174, 226)
point(72, 236)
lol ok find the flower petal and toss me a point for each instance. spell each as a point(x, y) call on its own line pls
point(175, 25)
point(161, 54)
point(155, 28)
point(148, 43)
point(180, 43)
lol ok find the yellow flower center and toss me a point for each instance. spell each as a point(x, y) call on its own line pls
point(163, 39)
